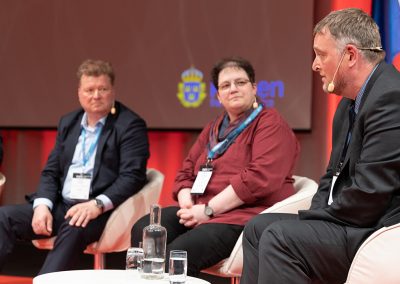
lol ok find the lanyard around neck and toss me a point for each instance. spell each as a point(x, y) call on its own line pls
point(352, 117)
point(222, 146)
point(86, 156)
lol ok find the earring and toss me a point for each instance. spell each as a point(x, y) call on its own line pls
point(255, 104)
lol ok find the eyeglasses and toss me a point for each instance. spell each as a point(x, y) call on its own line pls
point(239, 83)
point(92, 91)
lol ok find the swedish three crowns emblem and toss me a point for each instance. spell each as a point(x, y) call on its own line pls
point(191, 91)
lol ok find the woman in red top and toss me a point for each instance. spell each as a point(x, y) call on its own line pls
point(251, 152)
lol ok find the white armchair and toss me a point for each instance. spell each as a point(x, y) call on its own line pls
point(117, 232)
point(232, 266)
point(377, 259)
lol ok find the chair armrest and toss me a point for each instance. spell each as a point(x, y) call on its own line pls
point(305, 190)
point(45, 243)
point(116, 235)
point(377, 259)
point(114, 238)
point(301, 200)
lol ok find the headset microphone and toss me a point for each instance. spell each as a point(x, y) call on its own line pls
point(113, 110)
point(331, 85)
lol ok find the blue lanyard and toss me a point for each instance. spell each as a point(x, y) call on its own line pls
point(223, 145)
point(86, 157)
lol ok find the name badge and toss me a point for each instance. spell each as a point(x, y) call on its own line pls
point(80, 186)
point(202, 179)
point(330, 200)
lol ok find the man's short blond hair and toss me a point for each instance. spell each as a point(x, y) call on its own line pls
point(96, 68)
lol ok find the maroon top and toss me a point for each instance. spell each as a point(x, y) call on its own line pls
point(259, 166)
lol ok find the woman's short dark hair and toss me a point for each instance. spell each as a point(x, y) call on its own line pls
point(236, 62)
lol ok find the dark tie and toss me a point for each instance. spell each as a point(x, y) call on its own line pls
point(352, 117)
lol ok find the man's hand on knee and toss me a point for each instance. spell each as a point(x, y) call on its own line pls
point(82, 213)
point(42, 220)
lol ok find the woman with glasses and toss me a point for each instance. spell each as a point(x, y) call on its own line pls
point(241, 163)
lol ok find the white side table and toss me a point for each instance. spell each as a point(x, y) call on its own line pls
point(106, 276)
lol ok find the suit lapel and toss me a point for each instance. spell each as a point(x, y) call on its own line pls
point(378, 71)
point(345, 130)
point(71, 140)
point(105, 133)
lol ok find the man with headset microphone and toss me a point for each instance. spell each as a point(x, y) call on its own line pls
point(98, 161)
point(359, 192)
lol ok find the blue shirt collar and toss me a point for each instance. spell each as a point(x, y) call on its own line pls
point(84, 122)
point(361, 92)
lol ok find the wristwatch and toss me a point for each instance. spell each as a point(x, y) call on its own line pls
point(99, 204)
point(208, 211)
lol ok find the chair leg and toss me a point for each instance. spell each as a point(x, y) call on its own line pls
point(99, 260)
point(235, 280)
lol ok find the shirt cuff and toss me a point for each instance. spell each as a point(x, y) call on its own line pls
point(108, 205)
point(45, 201)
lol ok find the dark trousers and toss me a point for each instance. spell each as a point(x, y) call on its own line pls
point(280, 248)
point(206, 244)
point(71, 241)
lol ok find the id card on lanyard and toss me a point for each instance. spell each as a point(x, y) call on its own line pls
point(80, 186)
point(204, 175)
point(202, 179)
point(334, 178)
point(81, 182)
point(341, 163)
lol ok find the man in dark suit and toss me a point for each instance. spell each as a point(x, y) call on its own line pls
point(360, 191)
point(99, 160)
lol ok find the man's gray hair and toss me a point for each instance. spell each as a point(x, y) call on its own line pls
point(354, 26)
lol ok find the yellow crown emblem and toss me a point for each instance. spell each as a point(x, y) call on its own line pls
point(192, 75)
point(191, 91)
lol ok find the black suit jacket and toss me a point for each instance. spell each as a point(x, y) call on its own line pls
point(367, 192)
point(120, 162)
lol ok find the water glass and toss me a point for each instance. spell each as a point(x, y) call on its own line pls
point(177, 266)
point(134, 258)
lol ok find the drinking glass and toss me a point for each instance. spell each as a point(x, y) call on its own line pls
point(177, 266)
point(134, 258)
